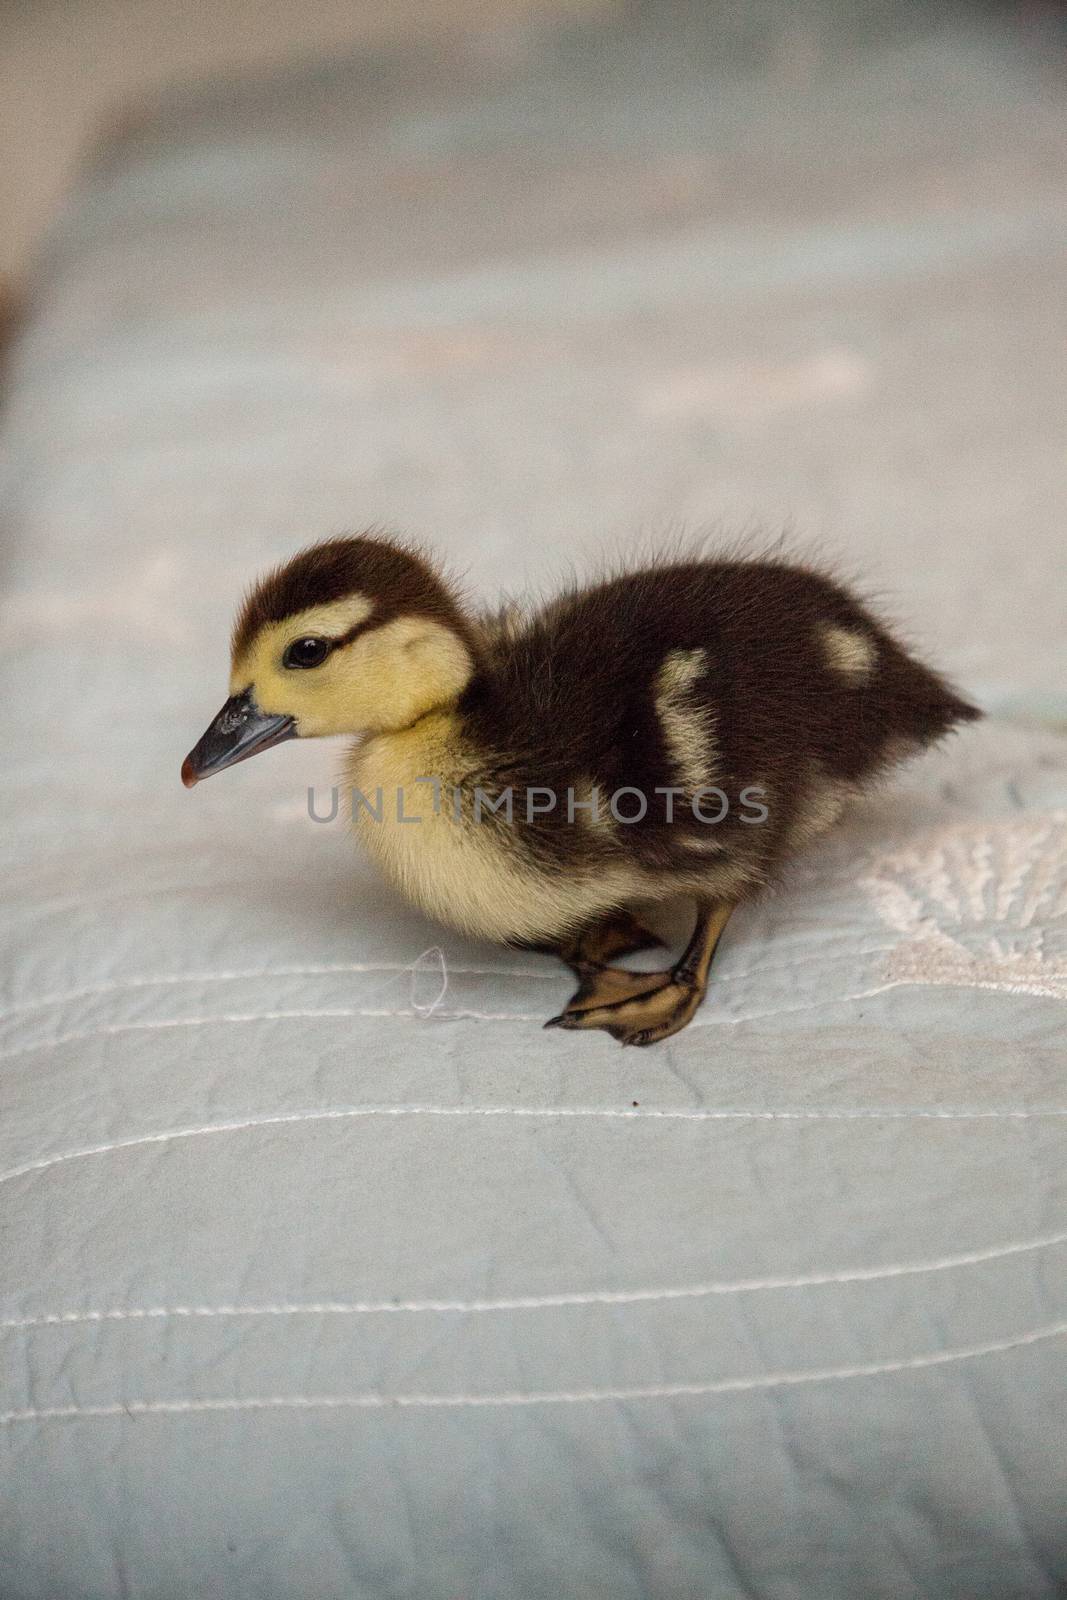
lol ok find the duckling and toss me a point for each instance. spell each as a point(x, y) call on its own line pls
point(541, 777)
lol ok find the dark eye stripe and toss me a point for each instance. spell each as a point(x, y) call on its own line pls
point(291, 658)
point(354, 632)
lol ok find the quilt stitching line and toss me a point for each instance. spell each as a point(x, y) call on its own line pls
point(339, 969)
point(326, 970)
point(411, 1013)
point(372, 1400)
point(306, 1014)
point(649, 1114)
point(607, 1297)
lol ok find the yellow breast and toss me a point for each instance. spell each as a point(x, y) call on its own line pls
point(415, 813)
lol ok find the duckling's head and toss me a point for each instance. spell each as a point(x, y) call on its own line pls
point(351, 636)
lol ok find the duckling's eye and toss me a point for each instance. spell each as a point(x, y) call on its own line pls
point(309, 652)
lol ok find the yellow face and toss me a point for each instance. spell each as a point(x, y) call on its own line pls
point(384, 679)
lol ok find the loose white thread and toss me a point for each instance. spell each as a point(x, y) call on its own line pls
point(419, 1007)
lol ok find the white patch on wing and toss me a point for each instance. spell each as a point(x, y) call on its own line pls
point(688, 730)
point(848, 652)
point(592, 808)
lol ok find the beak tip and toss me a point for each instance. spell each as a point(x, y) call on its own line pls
point(240, 730)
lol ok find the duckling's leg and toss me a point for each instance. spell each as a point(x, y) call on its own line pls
point(644, 1007)
point(592, 948)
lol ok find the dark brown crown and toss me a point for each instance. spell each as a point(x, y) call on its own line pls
point(397, 579)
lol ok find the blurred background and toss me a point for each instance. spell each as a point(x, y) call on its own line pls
point(69, 68)
point(522, 276)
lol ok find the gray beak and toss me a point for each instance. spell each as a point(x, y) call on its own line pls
point(240, 730)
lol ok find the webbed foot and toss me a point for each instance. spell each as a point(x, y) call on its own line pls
point(634, 1007)
point(644, 1007)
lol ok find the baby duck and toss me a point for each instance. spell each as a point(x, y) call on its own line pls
point(674, 731)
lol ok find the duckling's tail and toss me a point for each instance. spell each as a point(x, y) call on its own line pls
point(957, 710)
point(925, 706)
